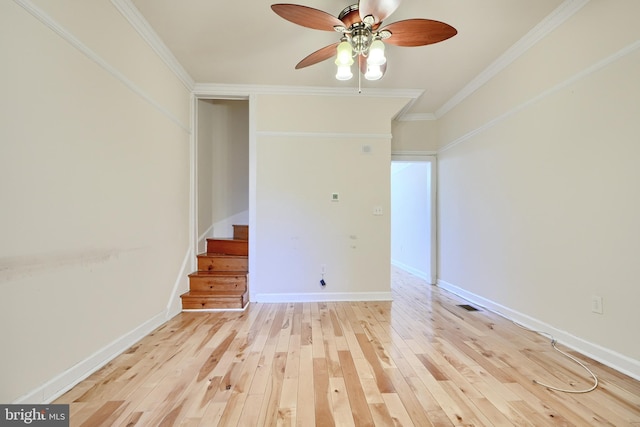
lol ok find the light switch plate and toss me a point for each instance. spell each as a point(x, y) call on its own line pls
point(596, 304)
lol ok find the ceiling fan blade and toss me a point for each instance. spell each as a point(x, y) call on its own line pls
point(418, 32)
point(379, 9)
point(306, 16)
point(318, 56)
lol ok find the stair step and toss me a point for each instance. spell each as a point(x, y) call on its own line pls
point(241, 232)
point(220, 300)
point(228, 246)
point(222, 262)
point(202, 281)
point(221, 279)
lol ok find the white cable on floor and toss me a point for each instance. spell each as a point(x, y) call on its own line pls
point(553, 344)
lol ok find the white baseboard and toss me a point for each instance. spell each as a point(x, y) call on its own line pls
point(208, 233)
point(617, 361)
point(174, 306)
point(213, 310)
point(418, 273)
point(63, 382)
point(324, 297)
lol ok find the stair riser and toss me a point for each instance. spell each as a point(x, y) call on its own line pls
point(200, 303)
point(222, 264)
point(241, 232)
point(221, 280)
point(231, 283)
point(229, 247)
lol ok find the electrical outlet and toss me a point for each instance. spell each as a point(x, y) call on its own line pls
point(596, 304)
point(377, 210)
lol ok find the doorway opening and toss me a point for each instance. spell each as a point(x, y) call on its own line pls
point(413, 231)
point(221, 167)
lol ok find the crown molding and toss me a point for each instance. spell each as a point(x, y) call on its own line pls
point(556, 18)
point(402, 155)
point(140, 24)
point(242, 91)
point(229, 91)
point(238, 91)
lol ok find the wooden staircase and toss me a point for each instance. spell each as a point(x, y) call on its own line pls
point(221, 279)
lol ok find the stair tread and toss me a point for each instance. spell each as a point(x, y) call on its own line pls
point(213, 294)
point(217, 273)
point(221, 255)
point(222, 276)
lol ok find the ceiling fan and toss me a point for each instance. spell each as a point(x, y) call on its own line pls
point(362, 35)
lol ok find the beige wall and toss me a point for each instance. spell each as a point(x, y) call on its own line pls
point(94, 179)
point(417, 136)
point(307, 149)
point(538, 186)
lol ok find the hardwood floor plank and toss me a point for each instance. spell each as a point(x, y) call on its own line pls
point(357, 399)
point(251, 411)
point(381, 416)
point(408, 398)
point(262, 376)
point(271, 401)
point(213, 414)
point(323, 406)
point(342, 412)
point(287, 410)
point(133, 419)
point(397, 410)
point(382, 380)
point(104, 415)
point(419, 360)
point(317, 336)
point(305, 413)
point(546, 409)
point(330, 347)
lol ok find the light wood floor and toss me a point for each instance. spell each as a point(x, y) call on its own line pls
point(417, 361)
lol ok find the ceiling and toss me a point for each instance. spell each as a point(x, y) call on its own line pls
point(246, 43)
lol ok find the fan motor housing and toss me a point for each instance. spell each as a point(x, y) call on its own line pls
point(361, 37)
point(349, 15)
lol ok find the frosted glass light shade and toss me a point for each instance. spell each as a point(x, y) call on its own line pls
point(376, 54)
point(345, 54)
point(344, 72)
point(374, 72)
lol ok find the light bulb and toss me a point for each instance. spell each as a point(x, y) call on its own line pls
point(376, 53)
point(374, 72)
point(344, 72)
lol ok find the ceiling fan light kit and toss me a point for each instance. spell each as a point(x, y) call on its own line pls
point(362, 35)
